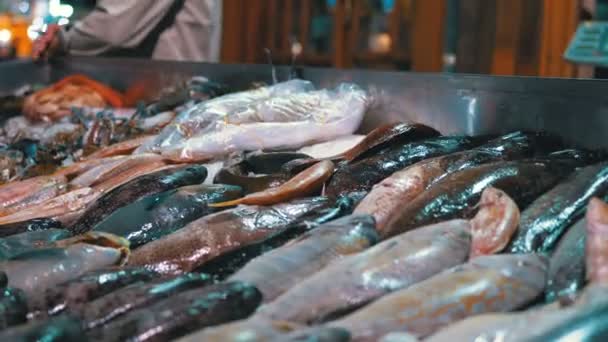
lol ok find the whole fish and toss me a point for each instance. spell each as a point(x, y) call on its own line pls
point(158, 215)
point(37, 270)
point(363, 174)
point(394, 264)
point(215, 234)
point(567, 265)
point(135, 189)
point(13, 307)
point(32, 225)
point(29, 192)
point(305, 183)
point(544, 222)
point(378, 139)
point(116, 304)
point(127, 175)
point(356, 280)
point(60, 329)
point(228, 263)
point(486, 284)
point(11, 246)
point(387, 198)
point(114, 168)
point(183, 313)
point(275, 272)
point(76, 293)
point(455, 195)
point(282, 122)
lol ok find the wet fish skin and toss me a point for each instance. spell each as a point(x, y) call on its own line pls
point(139, 295)
point(596, 253)
point(567, 265)
point(39, 224)
point(215, 234)
point(60, 329)
point(486, 284)
point(30, 191)
point(356, 280)
point(135, 189)
point(252, 329)
point(13, 307)
point(158, 215)
point(455, 195)
point(543, 223)
point(16, 244)
point(275, 272)
point(183, 313)
point(228, 263)
point(363, 174)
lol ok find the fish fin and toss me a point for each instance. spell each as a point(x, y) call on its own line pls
point(226, 203)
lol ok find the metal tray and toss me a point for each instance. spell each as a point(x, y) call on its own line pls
point(575, 109)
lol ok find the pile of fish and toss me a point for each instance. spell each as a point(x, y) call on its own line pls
point(261, 216)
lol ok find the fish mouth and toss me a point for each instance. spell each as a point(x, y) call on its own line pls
point(100, 239)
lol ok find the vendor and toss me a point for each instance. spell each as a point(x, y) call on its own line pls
point(181, 30)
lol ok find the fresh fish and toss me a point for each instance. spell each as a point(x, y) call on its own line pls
point(213, 168)
point(76, 293)
point(596, 249)
point(158, 215)
point(116, 304)
point(387, 198)
point(130, 174)
point(356, 280)
point(228, 263)
point(29, 226)
point(247, 330)
point(305, 183)
point(363, 174)
point(455, 195)
point(377, 140)
point(121, 148)
point(257, 171)
point(329, 149)
point(201, 118)
point(11, 246)
point(567, 265)
point(37, 270)
point(73, 170)
point(135, 189)
point(104, 172)
point(544, 222)
point(13, 307)
point(486, 284)
point(277, 271)
point(213, 235)
point(60, 329)
point(281, 122)
point(29, 192)
point(183, 313)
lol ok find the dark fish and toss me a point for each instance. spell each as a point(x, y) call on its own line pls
point(363, 174)
point(486, 284)
point(275, 272)
point(135, 189)
point(121, 302)
point(183, 313)
point(387, 198)
point(36, 270)
point(219, 233)
point(155, 216)
point(455, 195)
point(228, 263)
point(543, 223)
point(19, 243)
point(29, 226)
point(567, 265)
point(13, 307)
point(60, 329)
point(78, 292)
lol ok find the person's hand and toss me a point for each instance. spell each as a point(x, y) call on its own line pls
point(48, 44)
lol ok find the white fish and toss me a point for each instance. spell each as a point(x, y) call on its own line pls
point(332, 148)
point(320, 116)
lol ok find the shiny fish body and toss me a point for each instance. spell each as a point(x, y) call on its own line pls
point(363, 174)
point(33, 225)
point(215, 234)
point(183, 313)
point(543, 223)
point(136, 189)
point(139, 295)
point(356, 280)
point(276, 271)
point(158, 215)
point(486, 284)
point(455, 195)
point(11, 246)
point(30, 191)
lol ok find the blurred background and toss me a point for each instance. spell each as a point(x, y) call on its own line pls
point(502, 37)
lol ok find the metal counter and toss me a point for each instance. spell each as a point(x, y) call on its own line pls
point(452, 103)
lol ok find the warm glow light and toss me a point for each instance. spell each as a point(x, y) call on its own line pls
point(5, 36)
